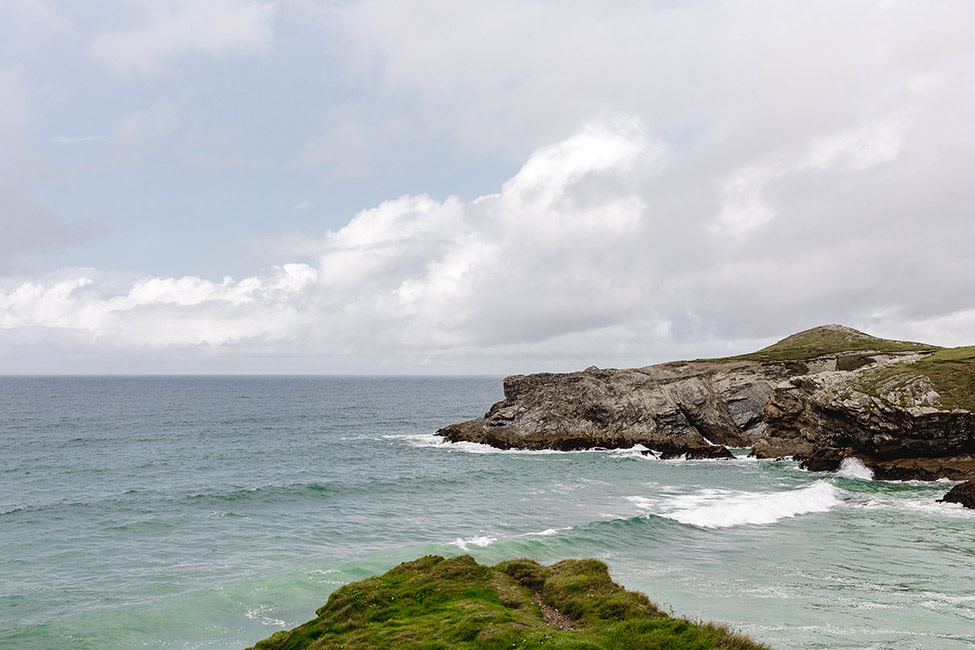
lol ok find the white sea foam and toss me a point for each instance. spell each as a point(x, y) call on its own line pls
point(260, 614)
point(431, 440)
point(549, 532)
point(855, 469)
point(481, 541)
point(723, 509)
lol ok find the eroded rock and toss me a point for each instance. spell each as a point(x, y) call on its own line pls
point(963, 493)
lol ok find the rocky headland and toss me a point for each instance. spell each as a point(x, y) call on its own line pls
point(905, 409)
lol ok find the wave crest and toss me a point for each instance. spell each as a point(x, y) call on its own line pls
point(752, 508)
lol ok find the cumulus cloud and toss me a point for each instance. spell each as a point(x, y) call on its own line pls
point(159, 312)
point(173, 28)
point(743, 208)
point(580, 257)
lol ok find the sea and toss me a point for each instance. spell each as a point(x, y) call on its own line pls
point(210, 512)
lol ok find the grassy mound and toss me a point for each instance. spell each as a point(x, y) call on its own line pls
point(443, 604)
point(951, 372)
point(830, 339)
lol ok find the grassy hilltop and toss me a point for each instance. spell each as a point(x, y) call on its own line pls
point(456, 604)
point(950, 371)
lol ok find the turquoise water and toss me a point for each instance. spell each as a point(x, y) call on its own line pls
point(209, 512)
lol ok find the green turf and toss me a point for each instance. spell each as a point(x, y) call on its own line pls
point(818, 341)
point(951, 371)
point(438, 604)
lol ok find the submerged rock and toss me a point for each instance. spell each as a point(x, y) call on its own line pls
point(457, 603)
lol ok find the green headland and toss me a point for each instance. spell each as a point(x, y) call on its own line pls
point(457, 604)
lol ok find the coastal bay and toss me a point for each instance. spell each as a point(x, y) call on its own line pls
point(212, 512)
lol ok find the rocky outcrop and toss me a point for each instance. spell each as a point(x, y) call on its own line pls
point(694, 408)
point(820, 396)
point(898, 432)
point(963, 493)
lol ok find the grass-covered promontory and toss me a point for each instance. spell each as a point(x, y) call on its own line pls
point(444, 604)
point(830, 339)
point(948, 371)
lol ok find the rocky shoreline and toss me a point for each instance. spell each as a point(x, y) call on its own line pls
point(819, 396)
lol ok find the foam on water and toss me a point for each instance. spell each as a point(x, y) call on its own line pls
point(477, 540)
point(719, 509)
point(172, 513)
point(855, 469)
point(430, 440)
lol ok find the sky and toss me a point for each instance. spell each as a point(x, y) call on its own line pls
point(443, 187)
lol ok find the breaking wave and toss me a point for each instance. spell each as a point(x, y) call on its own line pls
point(855, 469)
point(713, 509)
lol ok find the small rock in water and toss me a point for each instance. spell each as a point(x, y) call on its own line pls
point(963, 493)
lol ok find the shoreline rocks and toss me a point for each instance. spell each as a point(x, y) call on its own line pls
point(963, 493)
point(671, 408)
point(818, 396)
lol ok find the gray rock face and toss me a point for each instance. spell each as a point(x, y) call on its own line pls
point(860, 400)
point(963, 493)
point(823, 418)
point(671, 407)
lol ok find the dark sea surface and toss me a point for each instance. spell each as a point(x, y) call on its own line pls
point(210, 512)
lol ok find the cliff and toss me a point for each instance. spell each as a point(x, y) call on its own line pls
point(674, 408)
point(821, 395)
point(458, 604)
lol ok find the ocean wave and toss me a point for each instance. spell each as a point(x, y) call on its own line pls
point(725, 509)
point(477, 540)
point(264, 492)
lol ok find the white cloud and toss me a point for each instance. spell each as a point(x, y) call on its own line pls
point(855, 150)
point(174, 28)
point(413, 273)
point(583, 256)
point(783, 165)
point(744, 206)
point(160, 312)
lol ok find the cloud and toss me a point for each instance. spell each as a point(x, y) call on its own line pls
point(581, 257)
point(743, 207)
point(159, 312)
point(413, 274)
point(175, 28)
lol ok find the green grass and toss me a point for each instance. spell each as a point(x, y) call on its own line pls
point(444, 604)
point(951, 371)
point(829, 340)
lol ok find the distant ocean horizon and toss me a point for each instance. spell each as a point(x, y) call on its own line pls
point(209, 511)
